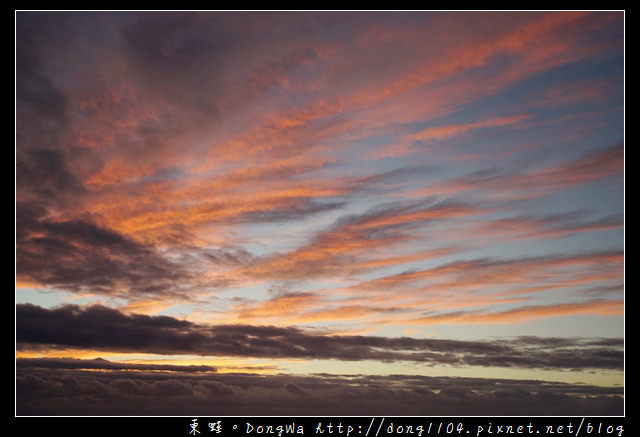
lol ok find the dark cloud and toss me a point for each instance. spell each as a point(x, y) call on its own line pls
point(43, 175)
point(98, 327)
point(78, 255)
point(35, 92)
point(231, 256)
point(74, 392)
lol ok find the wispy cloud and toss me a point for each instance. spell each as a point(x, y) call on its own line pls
point(528, 313)
point(532, 183)
point(404, 146)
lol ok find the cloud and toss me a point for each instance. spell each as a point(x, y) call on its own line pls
point(164, 157)
point(603, 307)
point(405, 145)
point(295, 210)
point(348, 243)
point(98, 327)
point(78, 255)
point(493, 274)
point(533, 183)
point(597, 165)
point(102, 364)
point(284, 304)
point(546, 226)
point(55, 392)
point(139, 152)
point(438, 132)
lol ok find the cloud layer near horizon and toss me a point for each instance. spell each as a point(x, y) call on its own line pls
point(50, 391)
point(101, 328)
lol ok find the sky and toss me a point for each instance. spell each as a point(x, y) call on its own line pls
point(319, 213)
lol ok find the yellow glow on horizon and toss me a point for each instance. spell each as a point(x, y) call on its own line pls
point(86, 354)
point(221, 364)
point(25, 283)
point(229, 365)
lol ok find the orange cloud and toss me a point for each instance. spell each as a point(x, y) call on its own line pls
point(279, 307)
point(118, 171)
point(492, 275)
point(350, 243)
point(530, 39)
point(404, 146)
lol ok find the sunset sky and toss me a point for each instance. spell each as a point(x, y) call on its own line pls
point(319, 213)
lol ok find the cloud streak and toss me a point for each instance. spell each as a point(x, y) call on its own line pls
point(532, 183)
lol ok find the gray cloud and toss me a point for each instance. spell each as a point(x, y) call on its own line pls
point(554, 225)
point(43, 140)
point(79, 255)
point(601, 164)
point(295, 209)
point(98, 327)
